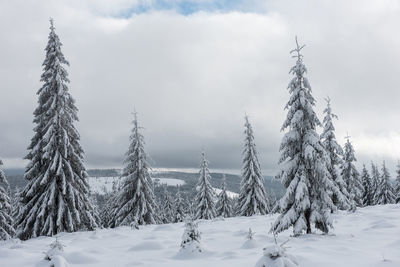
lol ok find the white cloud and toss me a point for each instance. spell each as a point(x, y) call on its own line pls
point(192, 77)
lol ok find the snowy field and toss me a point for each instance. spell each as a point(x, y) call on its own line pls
point(370, 237)
point(102, 185)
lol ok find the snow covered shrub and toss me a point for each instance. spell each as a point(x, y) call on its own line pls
point(56, 254)
point(191, 238)
point(276, 256)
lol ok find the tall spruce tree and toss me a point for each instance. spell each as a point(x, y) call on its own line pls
point(6, 220)
point(351, 176)
point(135, 201)
point(375, 181)
point(56, 197)
point(397, 189)
point(224, 206)
point(385, 190)
point(335, 152)
point(368, 190)
point(205, 197)
point(304, 174)
point(252, 198)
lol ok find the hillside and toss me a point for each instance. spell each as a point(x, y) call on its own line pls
point(368, 237)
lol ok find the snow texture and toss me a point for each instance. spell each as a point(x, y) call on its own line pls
point(368, 237)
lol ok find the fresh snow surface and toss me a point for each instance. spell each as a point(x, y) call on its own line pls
point(370, 237)
point(169, 181)
point(102, 185)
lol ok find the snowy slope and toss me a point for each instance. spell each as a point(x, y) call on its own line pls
point(368, 238)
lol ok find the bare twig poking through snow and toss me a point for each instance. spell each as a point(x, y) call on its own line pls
point(276, 256)
point(250, 241)
point(56, 254)
point(191, 238)
point(250, 235)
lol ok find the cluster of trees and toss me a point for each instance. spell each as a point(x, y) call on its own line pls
point(320, 177)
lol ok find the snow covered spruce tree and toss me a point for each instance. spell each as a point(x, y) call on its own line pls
point(205, 197)
point(179, 207)
point(375, 181)
point(224, 207)
point(351, 176)
point(335, 152)
point(191, 239)
point(252, 198)
point(397, 189)
point(368, 193)
point(135, 202)
point(56, 198)
point(385, 190)
point(6, 220)
point(304, 174)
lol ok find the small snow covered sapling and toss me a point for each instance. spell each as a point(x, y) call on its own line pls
point(56, 254)
point(276, 256)
point(191, 238)
point(250, 241)
point(56, 249)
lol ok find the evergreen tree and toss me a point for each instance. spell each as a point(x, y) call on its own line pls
point(385, 190)
point(191, 239)
point(205, 197)
point(56, 198)
point(333, 161)
point(179, 207)
point(167, 207)
point(304, 174)
point(110, 204)
point(375, 181)
point(397, 189)
point(351, 176)
point(135, 202)
point(252, 198)
point(224, 208)
point(16, 203)
point(368, 193)
point(6, 220)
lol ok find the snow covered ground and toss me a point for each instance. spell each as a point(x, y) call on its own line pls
point(368, 238)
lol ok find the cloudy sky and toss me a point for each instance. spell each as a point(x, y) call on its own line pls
point(192, 69)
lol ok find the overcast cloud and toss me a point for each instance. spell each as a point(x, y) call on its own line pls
point(193, 73)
